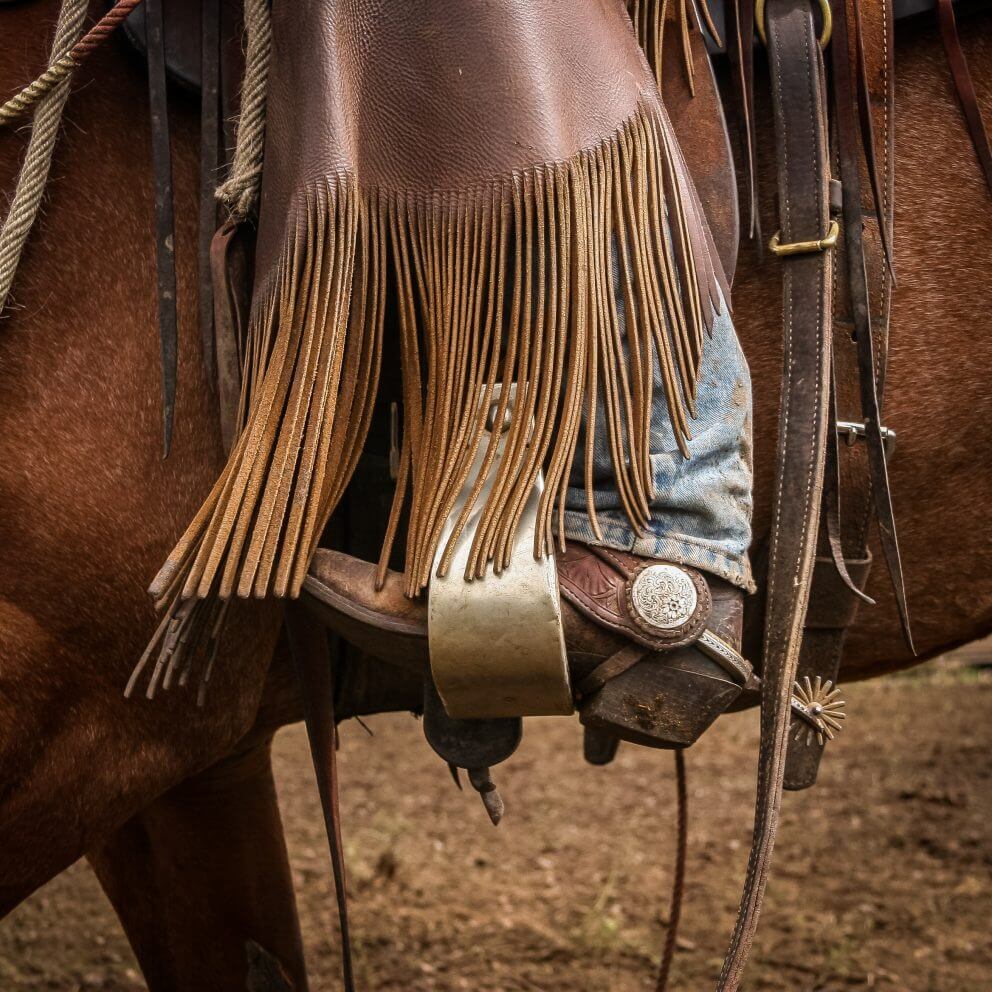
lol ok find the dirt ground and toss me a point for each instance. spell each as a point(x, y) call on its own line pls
point(883, 876)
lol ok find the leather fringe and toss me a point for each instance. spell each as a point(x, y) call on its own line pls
point(651, 17)
point(546, 278)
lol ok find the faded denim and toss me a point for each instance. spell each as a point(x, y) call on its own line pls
point(701, 511)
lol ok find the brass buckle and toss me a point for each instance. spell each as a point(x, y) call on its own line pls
point(804, 247)
point(828, 22)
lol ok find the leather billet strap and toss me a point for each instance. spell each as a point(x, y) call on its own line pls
point(799, 102)
point(210, 161)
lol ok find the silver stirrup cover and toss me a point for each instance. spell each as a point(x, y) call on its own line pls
point(496, 643)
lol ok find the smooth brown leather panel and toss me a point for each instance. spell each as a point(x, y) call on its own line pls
point(434, 95)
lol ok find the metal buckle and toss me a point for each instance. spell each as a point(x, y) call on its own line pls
point(828, 22)
point(804, 247)
point(852, 432)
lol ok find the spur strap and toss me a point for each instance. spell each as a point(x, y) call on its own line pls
point(799, 102)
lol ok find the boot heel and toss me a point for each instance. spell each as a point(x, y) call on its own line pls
point(664, 701)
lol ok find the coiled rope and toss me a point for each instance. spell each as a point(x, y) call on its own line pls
point(239, 192)
point(38, 158)
point(63, 67)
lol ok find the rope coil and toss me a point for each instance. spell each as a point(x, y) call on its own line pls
point(64, 66)
point(44, 132)
point(240, 192)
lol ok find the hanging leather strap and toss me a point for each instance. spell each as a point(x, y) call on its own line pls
point(315, 676)
point(850, 171)
point(165, 234)
point(964, 86)
point(844, 562)
point(210, 162)
point(799, 103)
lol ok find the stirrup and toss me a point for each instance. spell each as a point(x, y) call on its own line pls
point(497, 646)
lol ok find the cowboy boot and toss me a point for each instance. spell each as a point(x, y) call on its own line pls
point(653, 647)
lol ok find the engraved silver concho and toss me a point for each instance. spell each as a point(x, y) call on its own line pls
point(664, 596)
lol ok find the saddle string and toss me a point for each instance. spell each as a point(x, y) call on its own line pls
point(33, 174)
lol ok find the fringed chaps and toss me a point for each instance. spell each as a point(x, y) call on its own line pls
point(500, 177)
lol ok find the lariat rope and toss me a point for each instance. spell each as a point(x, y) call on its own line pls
point(63, 67)
point(239, 192)
point(38, 158)
point(47, 96)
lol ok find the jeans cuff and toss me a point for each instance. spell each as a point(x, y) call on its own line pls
point(678, 548)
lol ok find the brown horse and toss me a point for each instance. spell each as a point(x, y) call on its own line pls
point(174, 805)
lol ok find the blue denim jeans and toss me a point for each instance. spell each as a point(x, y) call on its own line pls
point(701, 511)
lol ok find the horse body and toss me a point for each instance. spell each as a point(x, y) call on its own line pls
point(88, 510)
point(936, 394)
point(81, 528)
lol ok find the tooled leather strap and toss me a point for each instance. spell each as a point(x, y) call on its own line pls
point(612, 588)
point(799, 103)
point(600, 583)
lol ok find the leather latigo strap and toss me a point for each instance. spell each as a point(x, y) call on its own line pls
point(308, 643)
point(799, 103)
point(165, 239)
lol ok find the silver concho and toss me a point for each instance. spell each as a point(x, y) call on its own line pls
point(664, 596)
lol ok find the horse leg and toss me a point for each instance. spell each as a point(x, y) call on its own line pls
point(202, 872)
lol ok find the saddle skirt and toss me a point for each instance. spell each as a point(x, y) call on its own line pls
point(494, 178)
